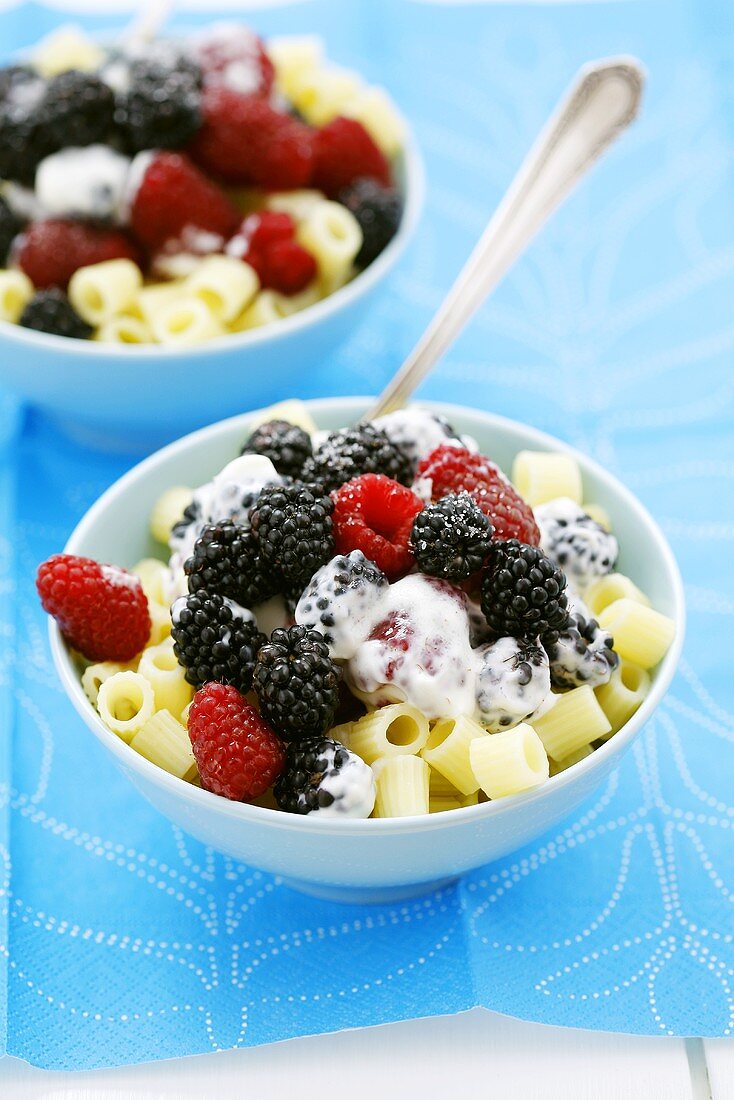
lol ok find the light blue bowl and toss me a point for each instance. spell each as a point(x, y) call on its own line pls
point(127, 397)
point(386, 859)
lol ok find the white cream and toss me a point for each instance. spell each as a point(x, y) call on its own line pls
point(417, 432)
point(575, 541)
point(512, 682)
point(352, 787)
point(341, 604)
point(135, 176)
point(87, 183)
point(238, 53)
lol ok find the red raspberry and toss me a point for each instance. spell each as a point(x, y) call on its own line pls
point(452, 470)
point(101, 609)
point(375, 514)
point(266, 227)
point(235, 56)
point(174, 200)
point(51, 251)
point(237, 753)
point(244, 140)
point(345, 152)
point(287, 267)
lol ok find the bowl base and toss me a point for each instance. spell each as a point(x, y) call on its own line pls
point(368, 895)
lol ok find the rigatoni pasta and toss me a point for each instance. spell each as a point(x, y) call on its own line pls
point(541, 476)
point(225, 285)
point(165, 742)
point(395, 730)
point(447, 750)
point(509, 762)
point(334, 237)
point(125, 703)
point(574, 721)
point(641, 634)
point(165, 675)
point(168, 510)
point(623, 695)
point(606, 590)
point(100, 291)
point(16, 290)
point(402, 787)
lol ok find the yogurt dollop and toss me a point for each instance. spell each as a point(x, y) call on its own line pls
point(575, 541)
point(87, 183)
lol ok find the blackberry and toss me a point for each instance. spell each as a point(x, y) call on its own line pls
point(226, 560)
point(15, 76)
point(575, 541)
point(582, 654)
point(349, 452)
point(523, 592)
point(215, 639)
point(162, 107)
point(10, 227)
point(378, 210)
point(286, 445)
point(513, 679)
point(293, 529)
point(451, 538)
point(23, 143)
point(342, 593)
point(78, 109)
point(322, 776)
point(297, 683)
point(51, 311)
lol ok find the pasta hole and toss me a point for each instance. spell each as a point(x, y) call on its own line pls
point(440, 732)
point(337, 229)
point(165, 660)
point(12, 300)
point(212, 299)
point(402, 731)
point(179, 322)
point(128, 706)
point(93, 300)
point(534, 753)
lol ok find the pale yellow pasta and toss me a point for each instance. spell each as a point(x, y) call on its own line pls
point(558, 766)
point(294, 56)
point(160, 622)
point(165, 742)
point(288, 304)
point(599, 515)
point(99, 291)
point(341, 733)
point(225, 284)
point(541, 476)
point(574, 721)
point(66, 48)
point(441, 788)
point(124, 329)
point(95, 675)
point(185, 322)
point(160, 668)
point(263, 310)
point(332, 234)
point(438, 804)
point(152, 574)
point(396, 730)
point(509, 762)
point(296, 203)
point(641, 635)
point(623, 694)
point(606, 590)
point(185, 714)
point(321, 94)
point(380, 117)
point(292, 410)
point(151, 300)
point(168, 510)
point(16, 290)
point(447, 750)
point(402, 787)
point(125, 703)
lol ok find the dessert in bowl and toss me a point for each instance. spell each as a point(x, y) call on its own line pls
point(420, 688)
point(210, 199)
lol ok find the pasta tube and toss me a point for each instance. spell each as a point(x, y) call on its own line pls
point(16, 290)
point(168, 510)
point(614, 586)
point(160, 668)
point(541, 476)
point(623, 694)
point(447, 750)
point(641, 635)
point(574, 721)
point(509, 762)
point(402, 787)
point(165, 742)
point(396, 730)
point(100, 291)
point(125, 703)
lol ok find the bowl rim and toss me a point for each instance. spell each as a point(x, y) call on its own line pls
point(259, 815)
point(413, 194)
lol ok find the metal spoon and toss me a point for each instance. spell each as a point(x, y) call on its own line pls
point(602, 101)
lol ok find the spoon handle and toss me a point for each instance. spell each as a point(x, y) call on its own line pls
point(602, 101)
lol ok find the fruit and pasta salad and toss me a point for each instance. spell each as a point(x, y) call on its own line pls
point(374, 621)
point(175, 190)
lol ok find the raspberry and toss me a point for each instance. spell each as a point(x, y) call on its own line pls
point(297, 683)
point(451, 538)
point(322, 776)
point(173, 198)
point(51, 251)
point(287, 266)
point(234, 56)
point(245, 140)
point(263, 229)
point(375, 514)
point(523, 593)
point(101, 610)
point(237, 753)
point(454, 471)
point(349, 452)
point(378, 211)
point(343, 153)
point(51, 311)
point(285, 444)
point(162, 108)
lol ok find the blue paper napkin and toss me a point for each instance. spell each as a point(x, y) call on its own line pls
point(123, 940)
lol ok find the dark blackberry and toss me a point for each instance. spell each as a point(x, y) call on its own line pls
point(513, 680)
point(523, 592)
point(451, 538)
point(162, 108)
point(226, 560)
point(15, 76)
point(349, 452)
point(293, 529)
point(191, 515)
point(322, 775)
point(286, 445)
point(23, 143)
point(10, 227)
point(51, 311)
point(78, 109)
point(582, 654)
point(214, 639)
point(297, 683)
point(378, 210)
point(343, 591)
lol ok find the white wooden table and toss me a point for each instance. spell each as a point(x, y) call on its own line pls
point(478, 1053)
